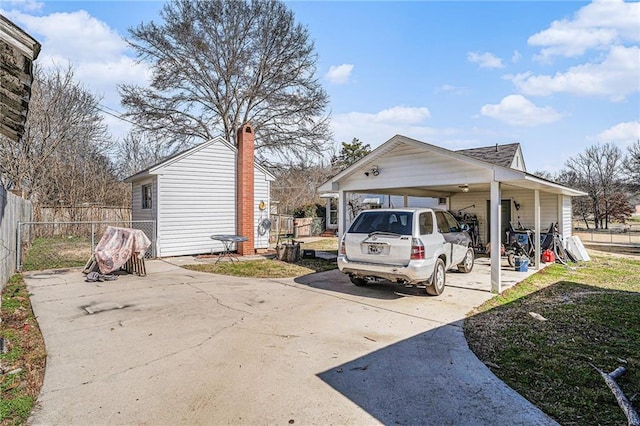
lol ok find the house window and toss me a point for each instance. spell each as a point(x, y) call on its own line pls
point(147, 196)
point(442, 200)
point(333, 212)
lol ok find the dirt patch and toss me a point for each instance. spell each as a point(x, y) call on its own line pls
point(627, 252)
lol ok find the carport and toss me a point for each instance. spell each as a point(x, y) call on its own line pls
point(483, 181)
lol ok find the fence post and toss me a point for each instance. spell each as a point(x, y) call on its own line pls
point(93, 233)
point(19, 248)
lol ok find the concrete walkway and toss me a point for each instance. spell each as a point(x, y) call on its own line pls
point(182, 347)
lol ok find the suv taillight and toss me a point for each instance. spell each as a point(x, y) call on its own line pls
point(343, 250)
point(417, 249)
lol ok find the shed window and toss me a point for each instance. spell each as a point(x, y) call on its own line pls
point(147, 196)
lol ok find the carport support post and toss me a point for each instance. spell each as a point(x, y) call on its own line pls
point(536, 207)
point(496, 240)
point(342, 210)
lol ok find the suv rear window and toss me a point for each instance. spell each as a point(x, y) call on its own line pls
point(395, 222)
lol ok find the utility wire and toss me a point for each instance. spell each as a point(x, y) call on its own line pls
point(115, 114)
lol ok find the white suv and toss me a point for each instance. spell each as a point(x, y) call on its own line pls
point(410, 245)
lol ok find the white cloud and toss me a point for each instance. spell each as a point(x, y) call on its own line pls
point(516, 110)
point(448, 88)
point(615, 77)
point(596, 25)
point(28, 5)
point(339, 74)
point(622, 133)
point(485, 60)
point(77, 36)
point(376, 128)
point(98, 54)
point(402, 114)
point(516, 56)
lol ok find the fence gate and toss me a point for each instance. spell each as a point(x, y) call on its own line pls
point(49, 245)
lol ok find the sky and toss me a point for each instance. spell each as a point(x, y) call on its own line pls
point(555, 76)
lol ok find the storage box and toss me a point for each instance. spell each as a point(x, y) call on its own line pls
point(308, 254)
point(522, 264)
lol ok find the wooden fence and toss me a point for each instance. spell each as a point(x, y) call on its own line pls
point(81, 214)
point(12, 210)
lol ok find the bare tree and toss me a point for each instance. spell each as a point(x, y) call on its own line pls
point(295, 187)
point(599, 172)
point(632, 166)
point(62, 157)
point(139, 150)
point(218, 64)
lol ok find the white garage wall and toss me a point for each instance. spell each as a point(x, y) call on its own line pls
point(525, 197)
point(197, 196)
point(137, 212)
point(261, 193)
point(404, 165)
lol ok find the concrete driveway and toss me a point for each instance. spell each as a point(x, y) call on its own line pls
point(182, 347)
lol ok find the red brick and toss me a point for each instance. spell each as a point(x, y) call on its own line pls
point(245, 190)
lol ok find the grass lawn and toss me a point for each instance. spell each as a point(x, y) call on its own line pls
point(329, 244)
point(592, 316)
point(57, 252)
point(266, 268)
point(25, 357)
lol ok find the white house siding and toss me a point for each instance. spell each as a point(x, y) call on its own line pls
point(397, 201)
point(198, 199)
point(566, 216)
point(518, 162)
point(261, 193)
point(137, 212)
point(477, 199)
point(402, 167)
point(525, 197)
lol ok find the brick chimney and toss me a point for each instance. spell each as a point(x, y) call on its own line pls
point(244, 185)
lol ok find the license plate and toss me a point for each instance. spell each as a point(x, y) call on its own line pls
point(375, 249)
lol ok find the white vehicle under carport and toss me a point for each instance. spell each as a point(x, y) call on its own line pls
point(411, 245)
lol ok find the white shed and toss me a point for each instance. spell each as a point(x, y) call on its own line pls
point(202, 191)
point(485, 182)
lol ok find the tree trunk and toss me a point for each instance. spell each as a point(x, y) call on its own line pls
point(585, 221)
point(289, 252)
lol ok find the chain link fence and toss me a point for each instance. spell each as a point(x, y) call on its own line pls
point(609, 236)
point(49, 245)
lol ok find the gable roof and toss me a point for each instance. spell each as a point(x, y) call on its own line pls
point(182, 154)
point(480, 157)
point(500, 155)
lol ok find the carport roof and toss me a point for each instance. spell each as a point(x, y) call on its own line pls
point(491, 154)
point(479, 158)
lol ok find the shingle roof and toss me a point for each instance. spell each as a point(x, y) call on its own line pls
point(501, 155)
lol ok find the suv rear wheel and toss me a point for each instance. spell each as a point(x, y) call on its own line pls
point(358, 281)
point(438, 280)
point(467, 263)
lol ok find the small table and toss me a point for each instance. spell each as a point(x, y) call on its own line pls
point(227, 241)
